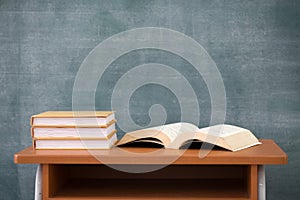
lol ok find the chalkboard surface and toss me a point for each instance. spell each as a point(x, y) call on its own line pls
point(254, 44)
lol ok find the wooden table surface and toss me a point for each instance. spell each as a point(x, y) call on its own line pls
point(266, 153)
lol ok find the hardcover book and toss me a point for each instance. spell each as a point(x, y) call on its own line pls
point(72, 119)
point(73, 132)
point(76, 143)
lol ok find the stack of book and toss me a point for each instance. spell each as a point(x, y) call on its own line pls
point(73, 130)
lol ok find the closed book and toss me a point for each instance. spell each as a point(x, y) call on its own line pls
point(72, 118)
point(76, 143)
point(73, 132)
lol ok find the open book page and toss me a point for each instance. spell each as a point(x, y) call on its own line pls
point(230, 137)
point(222, 130)
point(210, 135)
point(173, 130)
point(227, 136)
point(165, 133)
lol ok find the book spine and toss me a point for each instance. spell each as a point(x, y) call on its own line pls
point(33, 143)
point(32, 132)
point(31, 120)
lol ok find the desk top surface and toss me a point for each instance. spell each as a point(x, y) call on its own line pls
point(266, 153)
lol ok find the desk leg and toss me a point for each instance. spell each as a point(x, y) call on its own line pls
point(261, 183)
point(38, 183)
point(253, 182)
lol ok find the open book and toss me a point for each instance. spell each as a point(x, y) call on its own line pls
point(173, 136)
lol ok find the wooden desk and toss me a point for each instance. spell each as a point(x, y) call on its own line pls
point(79, 174)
